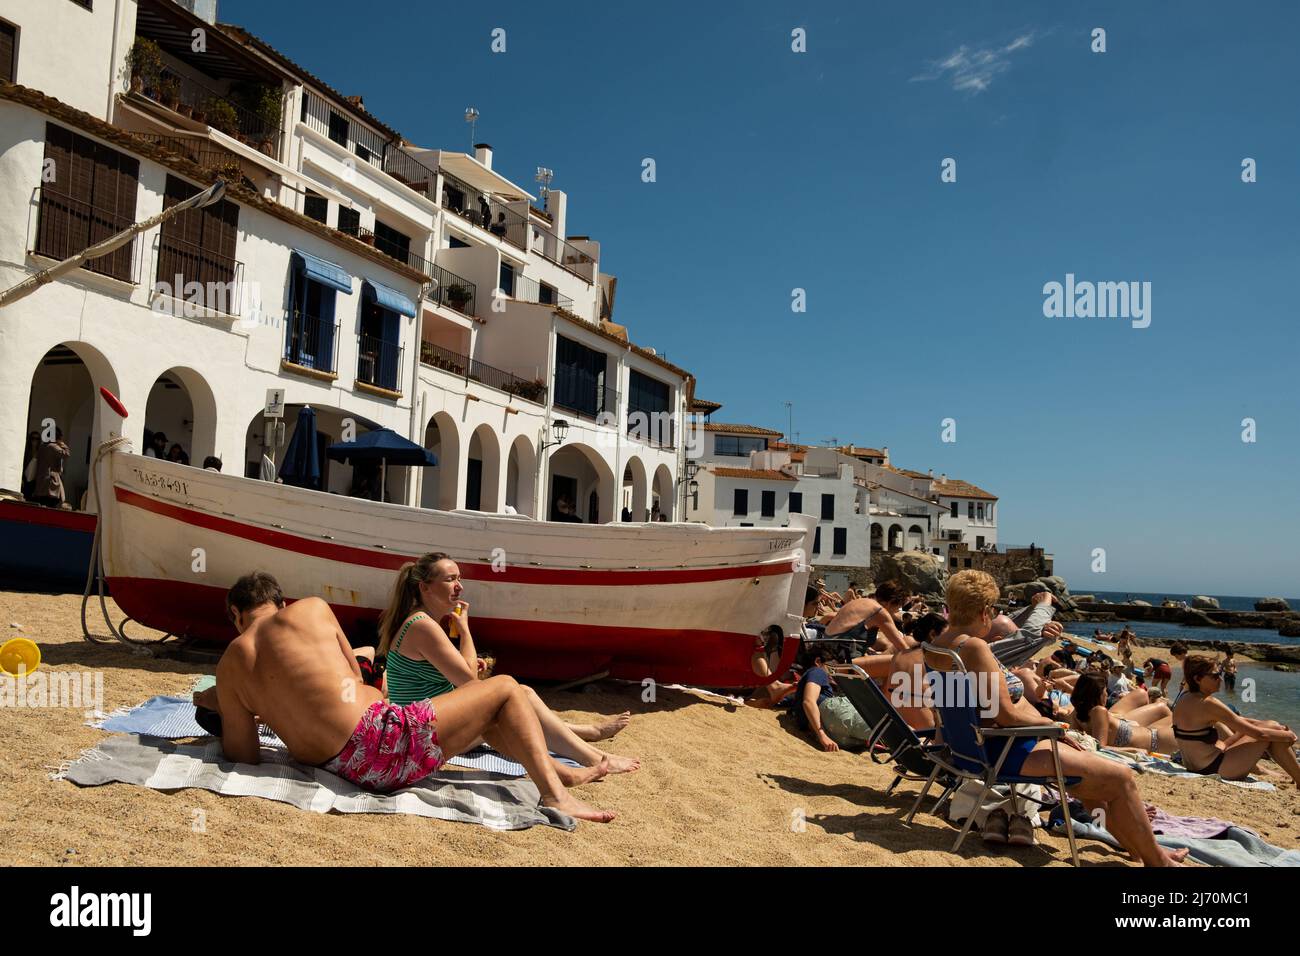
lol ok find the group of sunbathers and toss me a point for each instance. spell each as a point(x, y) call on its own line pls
point(1210, 735)
point(293, 669)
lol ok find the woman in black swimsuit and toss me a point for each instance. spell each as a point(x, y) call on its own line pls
point(1196, 715)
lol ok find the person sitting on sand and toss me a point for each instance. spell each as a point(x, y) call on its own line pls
point(1104, 784)
point(1198, 715)
point(422, 663)
point(291, 668)
point(859, 621)
point(830, 719)
point(1144, 727)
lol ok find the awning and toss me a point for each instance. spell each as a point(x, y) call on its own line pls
point(473, 173)
point(388, 298)
point(327, 273)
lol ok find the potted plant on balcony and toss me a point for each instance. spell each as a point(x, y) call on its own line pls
point(222, 116)
point(457, 297)
point(169, 91)
point(146, 62)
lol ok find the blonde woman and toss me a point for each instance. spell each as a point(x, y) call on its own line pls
point(424, 663)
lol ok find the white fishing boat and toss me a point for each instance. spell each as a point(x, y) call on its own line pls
point(672, 602)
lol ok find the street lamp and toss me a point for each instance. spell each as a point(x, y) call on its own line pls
point(561, 428)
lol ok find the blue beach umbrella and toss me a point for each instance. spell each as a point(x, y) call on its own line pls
point(301, 465)
point(384, 446)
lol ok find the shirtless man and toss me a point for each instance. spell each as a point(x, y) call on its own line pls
point(292, 668)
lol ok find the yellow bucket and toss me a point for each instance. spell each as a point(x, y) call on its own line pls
point(19, 654)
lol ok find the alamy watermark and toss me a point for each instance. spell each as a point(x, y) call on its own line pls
point(1098, 300)
point(75, 690)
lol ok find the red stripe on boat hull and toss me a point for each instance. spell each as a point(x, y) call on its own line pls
point(513, 574)
point(543, 650)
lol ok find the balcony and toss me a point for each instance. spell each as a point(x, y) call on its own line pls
point(389, 248)
point(473, 370)
point(181, 265)
point(379, 362)
point(564, 254)
point(66, 226)
point(368, 145)
point(201, 152)
point(530, 290)
point(654, 427)
point(453, 292)
point(251, 114)
point(311, 342)
point(480, 210)
point(582, 393)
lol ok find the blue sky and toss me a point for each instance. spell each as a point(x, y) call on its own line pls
point(821, 170)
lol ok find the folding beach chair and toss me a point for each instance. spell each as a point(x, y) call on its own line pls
point(963, 752)
point(892, 739)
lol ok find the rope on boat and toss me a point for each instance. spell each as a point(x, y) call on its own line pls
point(96, 568)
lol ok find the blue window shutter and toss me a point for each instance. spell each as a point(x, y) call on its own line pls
point(388, 371)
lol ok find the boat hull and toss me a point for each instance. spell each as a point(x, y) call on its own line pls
point(668, 602)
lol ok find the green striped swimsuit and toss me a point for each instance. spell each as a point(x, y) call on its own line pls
point(411, 680)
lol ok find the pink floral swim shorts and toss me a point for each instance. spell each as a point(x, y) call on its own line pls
point(392, 747)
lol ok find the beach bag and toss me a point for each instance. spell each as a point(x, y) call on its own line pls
point(962, 803)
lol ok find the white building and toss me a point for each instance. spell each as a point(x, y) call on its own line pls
point(378, 282)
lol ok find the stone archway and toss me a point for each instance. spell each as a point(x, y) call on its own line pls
point(636, 490)
point(441, 488)
point(483, 475)
point(578, 472)
point(182, 406)
point(521, 476)
point(662, 493)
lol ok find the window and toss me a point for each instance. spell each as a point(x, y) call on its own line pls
point(84, 3)
point(769, 504)
point(379, 350)
point(316, 207)
point(349, 221)
point(970, 509)
point(953, 508)
point(199, 246)
point(742, 502)
point(455, 243)
point(367, 156)
point(979, 541)
point(737, 446)
point(979, 511)
point(968, 562)
point(796, 502)
point(92, 197)
point(507, 280)
point(817, 541)
point(8, 51)
point(952, 562)
point(580, 377)
point(828, 507)
point(310, 328)
point(545, 294)
point(394, 243)
point(338, 129)
point(649, 413)
point(841, 541)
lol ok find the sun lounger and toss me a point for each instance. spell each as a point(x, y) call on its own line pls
point(892, 739)
point(963, 752)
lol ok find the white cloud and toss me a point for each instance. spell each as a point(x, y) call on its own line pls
point(972, 69)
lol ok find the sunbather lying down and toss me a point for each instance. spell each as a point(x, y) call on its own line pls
point(291, 668)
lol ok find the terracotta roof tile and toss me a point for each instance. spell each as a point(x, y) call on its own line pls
point(763, 474)
point(739, 429)
point(956, 488)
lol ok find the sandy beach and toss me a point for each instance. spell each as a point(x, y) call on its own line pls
point(719, 785)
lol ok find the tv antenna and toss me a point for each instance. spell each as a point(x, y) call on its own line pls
point(471, 117)
point(544, 176)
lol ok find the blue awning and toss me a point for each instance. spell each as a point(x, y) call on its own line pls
point(326, 273)
point(388, 298)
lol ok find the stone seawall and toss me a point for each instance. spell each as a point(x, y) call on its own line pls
point(1267, 620)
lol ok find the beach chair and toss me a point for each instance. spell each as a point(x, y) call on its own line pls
point(963, 752)
point(892, 739)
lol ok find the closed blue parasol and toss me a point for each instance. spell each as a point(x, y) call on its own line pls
point(384, 446)
point(301, 462)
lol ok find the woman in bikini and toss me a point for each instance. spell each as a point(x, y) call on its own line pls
point(1198, 716)
point(423, 663)
point(1148, 727)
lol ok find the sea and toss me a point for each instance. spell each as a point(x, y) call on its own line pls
point(1274, 695)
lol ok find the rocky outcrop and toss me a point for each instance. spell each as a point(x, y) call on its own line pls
point(1270, 653)
point(1197, 618)
point(1272, 604)
point(1289, 629)
point(1203, 603)
point(1083, 597)
point(920, 572)
point(1141, 603)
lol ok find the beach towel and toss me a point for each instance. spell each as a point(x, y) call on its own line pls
point(164, 765)
point(1236, 846)
point(173, 718)
point(1147, 763)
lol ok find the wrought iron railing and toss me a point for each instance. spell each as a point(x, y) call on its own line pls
point(530, 290)
point(181, 265)
point(563, 254)
point(360, 140)
point(189, 97)
point(580, 392)
point(203, 152)
point(453, 291)
point(409, 171)
point(311, 342)
point(66, 226)
point(653, 426)
point(403, 254)
point(379, 362)
point(473, 370)
point(477, 208)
